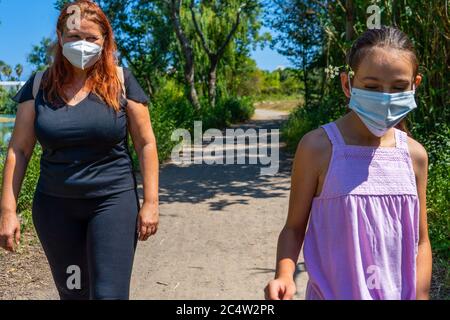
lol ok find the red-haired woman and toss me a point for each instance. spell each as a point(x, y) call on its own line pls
point(86, 209)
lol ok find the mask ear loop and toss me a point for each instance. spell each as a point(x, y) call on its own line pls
point(349, 83)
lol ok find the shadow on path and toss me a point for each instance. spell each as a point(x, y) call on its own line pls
point(202, 182)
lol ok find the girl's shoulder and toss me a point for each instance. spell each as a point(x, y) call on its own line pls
point(419, 156)
point(315, 141)
point(315, 148)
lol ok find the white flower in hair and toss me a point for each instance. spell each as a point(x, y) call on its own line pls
point(332, 71)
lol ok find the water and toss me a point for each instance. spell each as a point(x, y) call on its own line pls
point(6, 126)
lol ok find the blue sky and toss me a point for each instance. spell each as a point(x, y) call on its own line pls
point(24, 23)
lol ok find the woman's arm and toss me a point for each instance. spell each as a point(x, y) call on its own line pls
point(424, 256)
point(20, 150)
point(312, 152)
point(145, 145)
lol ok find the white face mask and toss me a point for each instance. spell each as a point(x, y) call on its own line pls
point(82, 54)
point(380, 111)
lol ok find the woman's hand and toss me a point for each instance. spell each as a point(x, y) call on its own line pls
point(282, 288)
point(148, 220)
point(9, 231)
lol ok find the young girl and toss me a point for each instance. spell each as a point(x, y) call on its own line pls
point(361, 183)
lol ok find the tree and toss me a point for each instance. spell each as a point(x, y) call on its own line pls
point(2, 64)
point(300, 34)
point(41, 55)
point(144, 37)
point(215, 43)
point(174, 9)
point(19, 70)
point(349, 31)
point(6, 70)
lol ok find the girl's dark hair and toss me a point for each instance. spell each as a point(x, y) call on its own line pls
point(385, 37)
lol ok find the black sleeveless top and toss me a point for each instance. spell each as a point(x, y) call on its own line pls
point(85, 150)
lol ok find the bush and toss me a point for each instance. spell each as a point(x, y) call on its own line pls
point(226, 112)
point(163, 124)
point(7, 105)
point(438, 191)
point(27, 191)
point(171, 110)
point(310, 117)
point(241, 109)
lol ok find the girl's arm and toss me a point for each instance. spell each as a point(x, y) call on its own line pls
point(312, 151)
point(145, 145)
point(424, 256)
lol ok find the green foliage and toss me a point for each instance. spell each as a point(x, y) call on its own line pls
point(7, 105)
point(241, 109)
point(299, 35)
point(163, 124)
point(310, 117)
point(171, 110)
point(228, 111)
point(6, 72)
point(437, 145)
point(25, 201)
point(41, 55)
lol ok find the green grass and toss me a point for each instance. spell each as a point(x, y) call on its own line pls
point(279, 102)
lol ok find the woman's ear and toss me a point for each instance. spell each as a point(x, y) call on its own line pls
point(345, 85)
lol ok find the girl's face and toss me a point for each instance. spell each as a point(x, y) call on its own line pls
point(383, 70)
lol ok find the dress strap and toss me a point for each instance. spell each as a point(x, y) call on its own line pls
point(401, 139)
point(334, 134)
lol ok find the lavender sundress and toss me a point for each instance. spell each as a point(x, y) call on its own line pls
point(363, 231)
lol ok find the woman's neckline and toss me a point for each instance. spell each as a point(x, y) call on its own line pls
point(79, 103)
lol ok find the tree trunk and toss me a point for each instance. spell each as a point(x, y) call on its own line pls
point(189, 75)
point(212, 82)
point(149, 87)
point(214, 57)
point(349, 20)
point(186, 48)
point(305, 78)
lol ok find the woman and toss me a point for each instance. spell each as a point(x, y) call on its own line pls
point(86, 209)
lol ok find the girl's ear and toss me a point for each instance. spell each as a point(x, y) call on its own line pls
point(345, 84)
point(418, 80)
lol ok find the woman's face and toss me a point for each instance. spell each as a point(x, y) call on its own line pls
point(88, 31)
point(383, 70)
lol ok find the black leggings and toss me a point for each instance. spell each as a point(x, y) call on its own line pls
point(89, 243)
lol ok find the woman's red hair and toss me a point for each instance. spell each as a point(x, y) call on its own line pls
point(102, 77)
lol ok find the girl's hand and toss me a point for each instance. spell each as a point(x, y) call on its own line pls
point(282, 288)
point(9, 231)
point(148, 220)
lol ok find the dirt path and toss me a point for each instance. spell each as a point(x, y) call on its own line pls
point(219, 228)
point(218, 231)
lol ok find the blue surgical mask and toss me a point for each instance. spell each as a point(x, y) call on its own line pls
point(380, 111)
